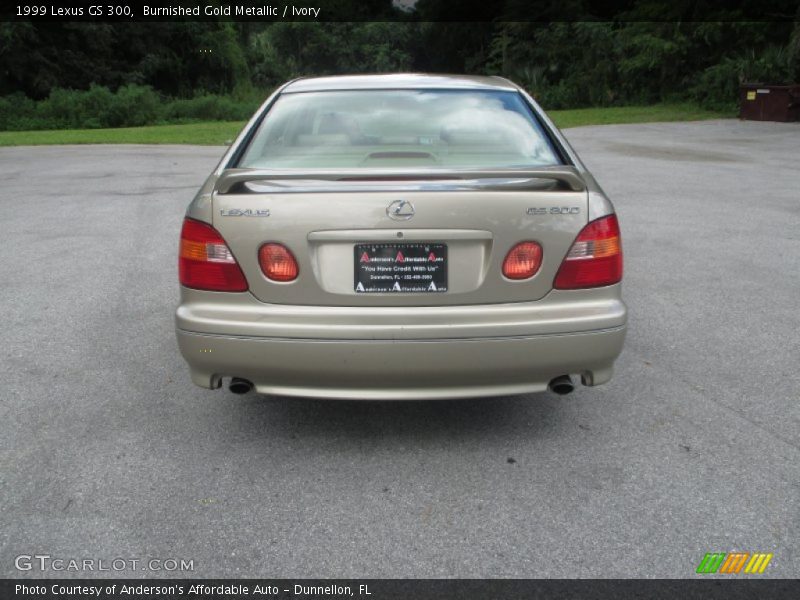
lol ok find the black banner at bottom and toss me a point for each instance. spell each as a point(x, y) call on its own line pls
point(391, 589)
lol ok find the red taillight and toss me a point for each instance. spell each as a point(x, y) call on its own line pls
point(595, 258)
point(277, 262)
point(523, 261)
point(205, 262)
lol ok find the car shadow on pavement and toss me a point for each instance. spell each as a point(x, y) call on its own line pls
point(396, 421)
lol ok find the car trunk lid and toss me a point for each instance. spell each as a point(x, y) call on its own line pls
point(468, 221)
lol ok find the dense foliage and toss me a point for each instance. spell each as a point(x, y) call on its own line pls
point(57, 75)
point(129, 106)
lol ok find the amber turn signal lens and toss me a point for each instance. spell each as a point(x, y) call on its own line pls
point(595, 258)
point(205, 262)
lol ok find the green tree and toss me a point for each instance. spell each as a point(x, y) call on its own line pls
point(286, 50)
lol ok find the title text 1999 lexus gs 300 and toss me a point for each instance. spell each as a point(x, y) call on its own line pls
point(400, 237)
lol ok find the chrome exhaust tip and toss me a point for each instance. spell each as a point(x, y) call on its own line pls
point(561, 385)
point(240, 386)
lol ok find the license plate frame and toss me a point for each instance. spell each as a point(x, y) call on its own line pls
point(400, 268)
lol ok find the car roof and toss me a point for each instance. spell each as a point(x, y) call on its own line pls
point(398, 81)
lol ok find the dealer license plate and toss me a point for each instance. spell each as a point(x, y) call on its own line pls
point(400, 268)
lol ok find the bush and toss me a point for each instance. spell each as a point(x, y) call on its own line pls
point(130, 106)
point(65, 109)
point(209, 107)
point(96, 107)
point(17, 111)
point(717, 87)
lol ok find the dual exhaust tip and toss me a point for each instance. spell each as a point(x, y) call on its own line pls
point(240, 386)
point(561, 385)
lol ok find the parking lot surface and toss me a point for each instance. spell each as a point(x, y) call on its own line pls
point(107, 450)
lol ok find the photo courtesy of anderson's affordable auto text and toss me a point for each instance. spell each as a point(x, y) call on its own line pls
point(400, 299)
point(133, 589)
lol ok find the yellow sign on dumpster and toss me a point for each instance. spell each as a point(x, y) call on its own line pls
point(751, 95)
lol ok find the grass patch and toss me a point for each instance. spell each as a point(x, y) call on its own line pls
point(218, 133)
point(578, 117)
point(204, 134)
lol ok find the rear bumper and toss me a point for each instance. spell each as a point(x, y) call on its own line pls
point(395, 370)
point(401, 352)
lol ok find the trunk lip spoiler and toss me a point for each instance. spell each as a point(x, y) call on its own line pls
point(335, 180)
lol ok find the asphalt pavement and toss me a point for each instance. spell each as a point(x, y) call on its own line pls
point(108, 451)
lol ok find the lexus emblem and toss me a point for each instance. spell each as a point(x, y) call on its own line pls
point(400, 210)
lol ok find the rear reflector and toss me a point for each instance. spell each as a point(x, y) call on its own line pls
point(205, 262)
point(523, 261)
point(595, 258)
point(277, 262)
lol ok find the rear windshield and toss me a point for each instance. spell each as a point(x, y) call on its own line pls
point(399, 128)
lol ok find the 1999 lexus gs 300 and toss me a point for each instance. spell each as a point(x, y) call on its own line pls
point(400, 237)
